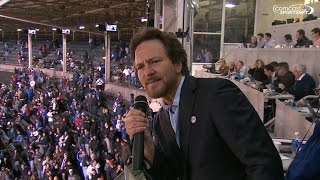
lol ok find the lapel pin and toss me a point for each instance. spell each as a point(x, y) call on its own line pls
point(193, 119)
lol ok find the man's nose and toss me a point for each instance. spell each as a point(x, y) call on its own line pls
point(149, 70)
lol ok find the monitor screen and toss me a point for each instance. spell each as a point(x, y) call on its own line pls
point(111, 27)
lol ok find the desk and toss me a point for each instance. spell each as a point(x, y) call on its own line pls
point(255, 97)
point(289, 120)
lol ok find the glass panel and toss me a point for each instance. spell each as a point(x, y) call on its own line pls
point(206, 48)
point(208, 16)
point(239, 24)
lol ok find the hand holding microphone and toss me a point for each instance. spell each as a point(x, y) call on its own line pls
point(137, 126)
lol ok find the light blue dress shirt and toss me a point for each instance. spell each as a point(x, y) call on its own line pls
point(173, 111)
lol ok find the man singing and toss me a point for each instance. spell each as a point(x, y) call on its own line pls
point(206, 128)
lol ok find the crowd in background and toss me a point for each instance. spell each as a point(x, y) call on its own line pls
point(60, 129)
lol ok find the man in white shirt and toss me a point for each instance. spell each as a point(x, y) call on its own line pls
point(126, 72)
point(261, 41)
point(270, 43)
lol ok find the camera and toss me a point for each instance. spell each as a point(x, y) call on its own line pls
point(181, 34)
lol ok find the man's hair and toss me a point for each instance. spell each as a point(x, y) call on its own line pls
point(301, 32)
point(260, 34)
point(173, 47)
point(274, 64)
point(284, 65)
point(288, 36)
point(241, 62)
point(316, 30)
point(300, 67)
point(268, 35)
point(269, 67)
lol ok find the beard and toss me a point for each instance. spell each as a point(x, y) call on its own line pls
point(162, 87)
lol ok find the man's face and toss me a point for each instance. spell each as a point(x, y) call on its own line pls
point(298, 35)
point(315, 35)
point(156, 72)
point(296, 73)
point(281, 71)
point(238, 66)
point(267, 37)
point(267, 72)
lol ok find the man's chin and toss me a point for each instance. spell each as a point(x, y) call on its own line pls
point(154, 95)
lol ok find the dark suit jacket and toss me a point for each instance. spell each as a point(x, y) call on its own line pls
point(258, 74)
point(227, 142)
point(288, 80)
point(303, 87)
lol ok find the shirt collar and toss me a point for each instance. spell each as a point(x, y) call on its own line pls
point(176, 99)
point(301, 77)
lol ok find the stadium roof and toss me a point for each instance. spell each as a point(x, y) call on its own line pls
point(46, 14)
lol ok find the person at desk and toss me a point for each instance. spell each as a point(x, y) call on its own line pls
point(288, 43)
point(241, 70)
point(257, 71)
point(254, 42)
point(206, 129)
point(304, 84)
point(223, 67)
point(261, 41)
point(286, 78)
point(302, 40)
point(271, 75)
point(316, 36)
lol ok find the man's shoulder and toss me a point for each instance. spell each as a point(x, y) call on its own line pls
point(213, 83)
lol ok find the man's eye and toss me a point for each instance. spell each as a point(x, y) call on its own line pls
point(155, 61)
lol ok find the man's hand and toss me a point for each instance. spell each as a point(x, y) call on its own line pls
point(137, 122)
point(281, 86)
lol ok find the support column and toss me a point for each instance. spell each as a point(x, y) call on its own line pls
point(30, 50)
point(64, 52)
point(119, 34)
point(107, 60)
point(223, 22)
point(170, 16)
point(157, 14)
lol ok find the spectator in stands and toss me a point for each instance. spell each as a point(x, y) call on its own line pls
point(261, 41)
point(208, 56)
point(302, 40)
point(286, 78)
point(288, 43)
point(271, 74)
point(316, 36)
point(254, 42)
point(304, 84)
point(201, 57)
point(241, 69)
point(270, 43)
point(257, 71)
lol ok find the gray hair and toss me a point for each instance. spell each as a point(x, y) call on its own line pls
point(300, 67)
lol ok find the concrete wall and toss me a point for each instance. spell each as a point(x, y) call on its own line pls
point(265, 15)
point(49, 72)
point(279, 31)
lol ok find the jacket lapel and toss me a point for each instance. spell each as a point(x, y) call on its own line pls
point(186, 104)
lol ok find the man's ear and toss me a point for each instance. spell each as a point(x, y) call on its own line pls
point(178, 67)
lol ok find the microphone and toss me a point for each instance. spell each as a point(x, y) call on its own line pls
point(140, 103)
